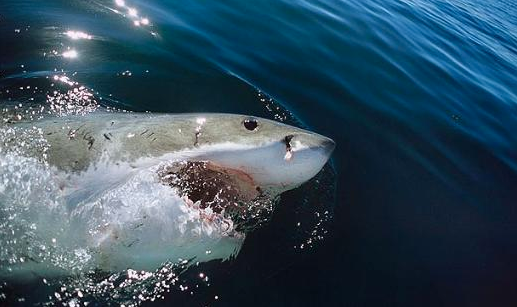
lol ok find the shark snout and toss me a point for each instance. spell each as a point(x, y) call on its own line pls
point(311, 141)
point(328, 145)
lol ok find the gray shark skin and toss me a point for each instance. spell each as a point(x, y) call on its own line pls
point(98, 198)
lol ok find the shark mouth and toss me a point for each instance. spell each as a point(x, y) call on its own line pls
point(222, 192)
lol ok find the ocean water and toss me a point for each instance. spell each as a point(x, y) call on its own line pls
point(420, 97)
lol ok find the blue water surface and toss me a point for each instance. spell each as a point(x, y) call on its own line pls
point(420, 97)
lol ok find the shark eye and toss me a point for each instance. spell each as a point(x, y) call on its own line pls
point(250, 124)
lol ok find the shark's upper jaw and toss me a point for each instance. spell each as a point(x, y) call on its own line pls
point(278, 165)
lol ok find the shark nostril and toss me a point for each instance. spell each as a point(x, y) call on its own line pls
point(287, 141)
point(288, 147)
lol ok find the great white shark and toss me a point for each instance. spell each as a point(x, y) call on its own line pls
point(112, 190)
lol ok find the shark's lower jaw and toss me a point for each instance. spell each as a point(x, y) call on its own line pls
point(223, 192)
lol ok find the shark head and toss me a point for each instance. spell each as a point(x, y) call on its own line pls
point(275, 156)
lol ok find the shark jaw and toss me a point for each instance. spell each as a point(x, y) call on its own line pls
point(275, 166)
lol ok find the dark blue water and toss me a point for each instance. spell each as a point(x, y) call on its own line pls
point(420, 96)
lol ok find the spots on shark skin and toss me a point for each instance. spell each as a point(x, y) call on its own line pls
point(132, 243)
point(200, 122)
point(197, 135)
point(73, 132)
point(90, 140)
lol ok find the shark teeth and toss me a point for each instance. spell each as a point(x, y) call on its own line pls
point(220, 194)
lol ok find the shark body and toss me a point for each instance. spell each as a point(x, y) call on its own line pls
point(111, 191)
